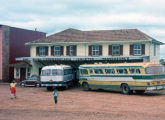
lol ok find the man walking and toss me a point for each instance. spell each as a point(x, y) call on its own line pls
point(55, 93)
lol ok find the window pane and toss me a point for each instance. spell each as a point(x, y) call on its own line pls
point(116, 49)
point(109, 71)
point(91, 71)
point(137, 49)
point(42, 51)
point(84, 71)
point(95, 50)
point(57, 50)
point(98, 71)
point(122, 71)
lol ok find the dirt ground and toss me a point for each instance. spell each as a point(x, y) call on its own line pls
point(74, 104)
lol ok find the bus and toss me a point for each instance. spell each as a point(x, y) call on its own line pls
point(57, 76)
point(126, 77)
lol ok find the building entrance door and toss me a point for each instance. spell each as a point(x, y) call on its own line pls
point(22, 74)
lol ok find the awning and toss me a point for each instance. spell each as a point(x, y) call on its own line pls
point(80, 58)
point(21, 64)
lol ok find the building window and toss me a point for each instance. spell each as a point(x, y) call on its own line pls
point(28, 72)
point(71, 50)
point(17, 72)
point(116, 50)
point(95, 50)
point(57, 51)
point(154, 50)
point(42, 51)
point(137, 49)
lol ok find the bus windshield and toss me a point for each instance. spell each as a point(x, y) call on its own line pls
point(154, 70)
point(50, 72)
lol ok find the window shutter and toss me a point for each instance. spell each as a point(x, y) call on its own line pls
point(62, 50)
point(100, 50)
point(90, 50)
point(52, 50)
point(74, 50)
point(131, 49)
point(67, 50)
point(110, 50)
point(121, 49)
point(37, 51)
point(46, 50)
point(143, 49)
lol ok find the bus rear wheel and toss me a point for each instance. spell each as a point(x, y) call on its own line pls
point(85, 86)
point(125, 89)
point(49, 88)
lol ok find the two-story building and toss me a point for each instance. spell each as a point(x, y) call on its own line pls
point(75, 47)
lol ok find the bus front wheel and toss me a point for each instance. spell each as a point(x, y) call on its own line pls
point(85, 86)
point(125, 89)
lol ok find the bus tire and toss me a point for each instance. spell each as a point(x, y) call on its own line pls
point(125, 89)
point(85, 86)
point(140, 92)
point(49, 88)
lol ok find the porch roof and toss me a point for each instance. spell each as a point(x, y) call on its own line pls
point(81, 58)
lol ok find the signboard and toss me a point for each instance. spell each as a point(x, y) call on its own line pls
point(78, 58)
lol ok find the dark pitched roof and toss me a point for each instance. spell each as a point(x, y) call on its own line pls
point(74, 35)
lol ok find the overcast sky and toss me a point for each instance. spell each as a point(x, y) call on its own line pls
point(53, 16)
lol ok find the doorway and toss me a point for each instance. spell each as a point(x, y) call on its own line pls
point(22, 74)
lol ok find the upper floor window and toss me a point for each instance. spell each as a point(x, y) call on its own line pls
point(42, 51)
point(57, 50)
point(95, 50)
point(115, 50)
point(137, 49)
point(71, 50)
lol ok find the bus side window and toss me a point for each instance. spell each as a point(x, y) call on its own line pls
point(84, 71)
point(91, 71)
point(122, 71)
point(132, 70)
point(137, 71)
point(109, 71)
point(98, 71)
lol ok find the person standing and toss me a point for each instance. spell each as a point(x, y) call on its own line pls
point(13, 89)
point(55, 93)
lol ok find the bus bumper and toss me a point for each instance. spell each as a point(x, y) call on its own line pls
point(155, 88)
point(51, 84)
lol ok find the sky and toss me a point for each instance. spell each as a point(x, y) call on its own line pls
point(53, 16)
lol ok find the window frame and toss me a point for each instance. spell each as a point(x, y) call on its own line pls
point(42, 51)
point(113, 50)
point(58, 51)
point(95, 50)
point(136, 50)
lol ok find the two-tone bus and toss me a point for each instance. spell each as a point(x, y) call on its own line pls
point(57, 76)
point(127, 77)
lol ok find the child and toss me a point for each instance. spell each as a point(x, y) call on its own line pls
point(13, 89)
point(55, 95)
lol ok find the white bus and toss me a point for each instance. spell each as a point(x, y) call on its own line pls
point(57, 76)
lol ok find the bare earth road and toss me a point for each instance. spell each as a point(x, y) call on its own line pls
point(74, 104)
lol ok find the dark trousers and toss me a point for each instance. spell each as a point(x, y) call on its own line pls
point(55, 99)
